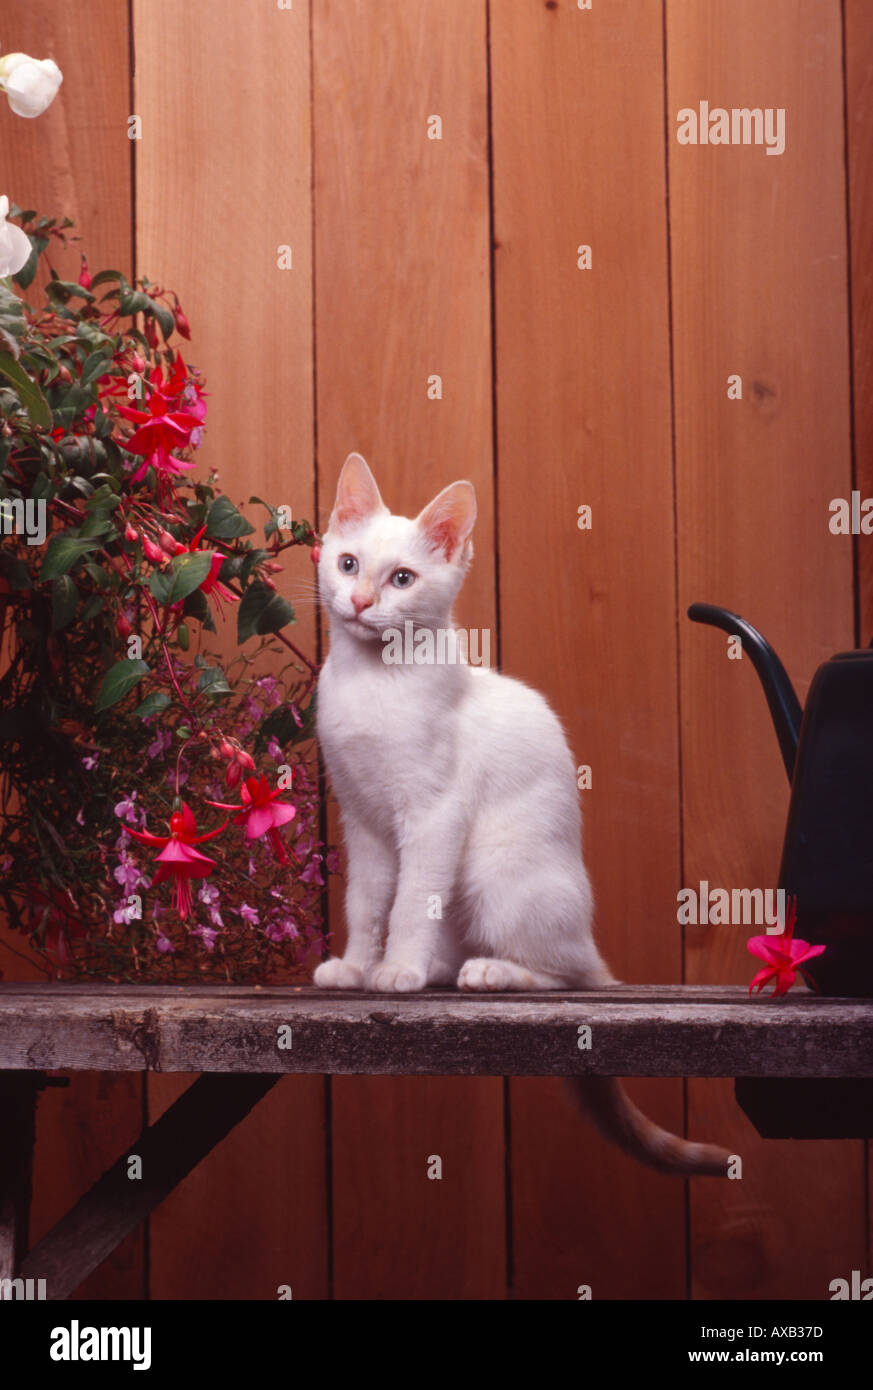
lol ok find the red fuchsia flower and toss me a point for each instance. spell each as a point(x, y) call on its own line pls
point(85, 275)
point(160, 429)
point(211, 584)
point(783, 955)
point(179, 861)
point(177, 387)
point(60, 915)
point(261, 814)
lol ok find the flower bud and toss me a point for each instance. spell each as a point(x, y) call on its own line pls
point(30, 84)
point(122, 626)
point(151, 333)
point(182, 325)
point(131, 533)
point(226, 749)
point(315, 555)
point(233, 774)
point(169, 543)
point(138, 363)
point(245, 759)
point(85, 275)
point(268, 583)
point(152, 552)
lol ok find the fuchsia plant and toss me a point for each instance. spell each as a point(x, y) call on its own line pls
point(118, 564)
point(784, 955)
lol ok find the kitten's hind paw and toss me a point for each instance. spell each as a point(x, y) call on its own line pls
point(338, 974)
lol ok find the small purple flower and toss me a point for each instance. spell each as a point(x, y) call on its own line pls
point(274, 750)
point(165, 945)
point(249, 914)
point(282, 929)
point(91, 761)
point(162, 742)
point(208, 894)
point(128, 875)
point(195, 438)
point(126, 810)
point(310, 873)
point(207, 936)
point(332, 862)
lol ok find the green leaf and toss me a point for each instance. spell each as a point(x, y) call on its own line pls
point(27, 391)
point(64, 290)
point(65, 599)
point(189, 572)
point(133, 302)
point(62, 554)
point(225, 522)
point(104, 276)
point(153, 704)
point(92, 608)
point(261, 611)
point(197, 606)
point(214, 681)
point(119, 681)
point(27, 273)
point(95, 366)
point(250, 562)
point(163, 316)
point(160, 584)
point(97, 575)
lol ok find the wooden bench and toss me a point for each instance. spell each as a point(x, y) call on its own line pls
point(243, 1039)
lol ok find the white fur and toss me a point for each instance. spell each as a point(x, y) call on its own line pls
point(455, 783)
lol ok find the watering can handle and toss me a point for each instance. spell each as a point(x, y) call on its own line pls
point(785, 709)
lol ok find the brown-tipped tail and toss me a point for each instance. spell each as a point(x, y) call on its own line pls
point(602, 1099)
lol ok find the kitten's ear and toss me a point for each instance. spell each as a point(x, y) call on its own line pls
point(357, 496)
point(448, 520)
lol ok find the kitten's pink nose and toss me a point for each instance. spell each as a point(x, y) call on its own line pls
point(362, 601)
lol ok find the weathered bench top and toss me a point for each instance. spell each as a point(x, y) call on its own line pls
point(649, 1030)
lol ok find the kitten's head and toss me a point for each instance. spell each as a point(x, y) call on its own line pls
point(378, 570)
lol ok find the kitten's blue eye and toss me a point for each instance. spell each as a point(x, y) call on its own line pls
point(401, 579)
point(348, 564)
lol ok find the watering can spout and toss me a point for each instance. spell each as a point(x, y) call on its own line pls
point(784, 705)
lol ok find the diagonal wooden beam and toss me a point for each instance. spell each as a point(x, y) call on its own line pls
point(116, 1204)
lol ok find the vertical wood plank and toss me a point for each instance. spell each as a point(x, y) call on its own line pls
point(859, 112)
point(588, 616)
point(858, 50)
point(74, 161)
point(223, 181)
point(402, 293)
point(759, 282)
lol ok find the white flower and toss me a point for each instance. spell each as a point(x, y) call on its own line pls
point(14, 243)
point(30, 84)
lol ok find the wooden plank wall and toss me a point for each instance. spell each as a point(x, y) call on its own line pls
point(561, 387)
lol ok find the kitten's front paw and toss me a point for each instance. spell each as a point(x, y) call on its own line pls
point(397, 979)
point(338, 974)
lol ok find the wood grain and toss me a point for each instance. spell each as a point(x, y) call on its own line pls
point(74, 161)
point(402, 294)
point(588, 616)
point(223, 182)
point(655, 1030)
point(759, 288)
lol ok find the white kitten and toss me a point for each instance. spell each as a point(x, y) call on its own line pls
point(458, 795)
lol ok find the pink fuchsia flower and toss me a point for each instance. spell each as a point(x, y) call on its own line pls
point(179, 861)
point(783, 955)
point(261, 813)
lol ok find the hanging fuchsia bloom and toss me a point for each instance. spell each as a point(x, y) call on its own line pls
point(160, 429)
point(261, 814)
point(211, 584)
point(783, 956)
point(179, 860)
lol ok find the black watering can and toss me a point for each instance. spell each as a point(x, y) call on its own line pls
point(827, 749)
point(827, 864)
